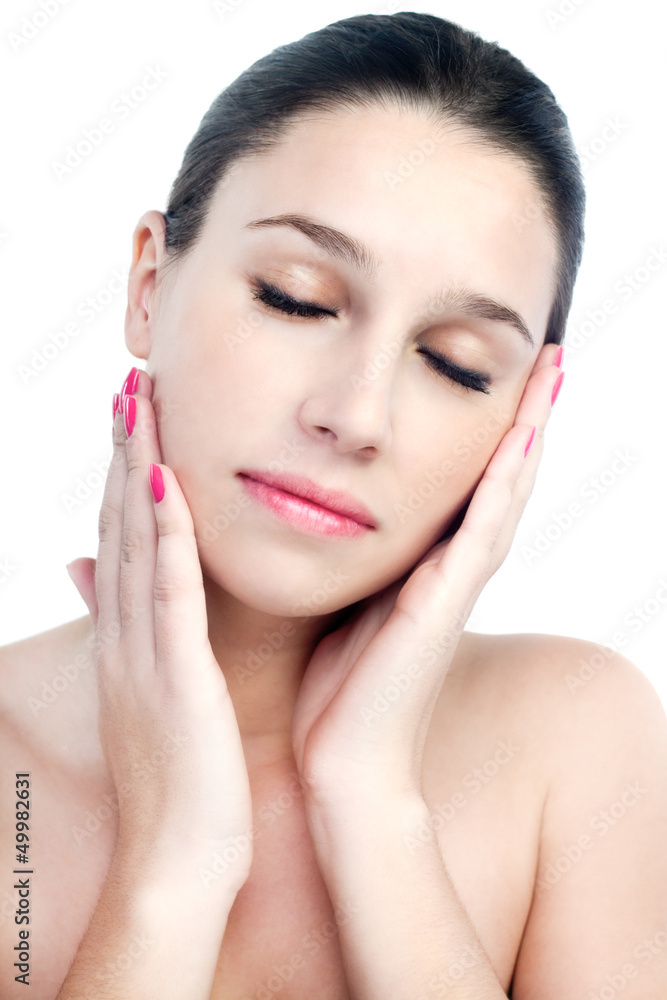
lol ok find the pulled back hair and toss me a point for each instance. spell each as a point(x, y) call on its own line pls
point(422, 62)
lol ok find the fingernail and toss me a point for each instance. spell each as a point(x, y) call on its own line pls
point(558, 357)
point(156, 481)
point(556, 389)
point(115, 404)
point(530, 442)
point(129, 386)
point(129, 414)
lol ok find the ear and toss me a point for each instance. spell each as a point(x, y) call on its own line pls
point(148, 253)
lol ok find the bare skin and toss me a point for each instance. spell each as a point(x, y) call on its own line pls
point(507, 690)
point(511, 754)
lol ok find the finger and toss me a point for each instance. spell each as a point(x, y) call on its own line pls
point(534, 409)
point(471, 552)
point(550, 354)
point(110, 521)
point(181, 623)
point(535, 405)
point(143, 386)
point(110, 526)
point(138, 548)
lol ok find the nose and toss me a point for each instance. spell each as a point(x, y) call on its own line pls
point(353, 404)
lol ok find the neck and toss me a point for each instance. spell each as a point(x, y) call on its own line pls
point(263, 658)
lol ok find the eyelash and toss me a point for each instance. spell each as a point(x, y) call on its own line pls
point(275, 299)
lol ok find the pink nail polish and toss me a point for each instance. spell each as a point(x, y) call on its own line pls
point(558, 357)
point(156, 481)
point(115, 404)
point(556, 389)
point(129, 414)
point(129, 386)
point(529, 442)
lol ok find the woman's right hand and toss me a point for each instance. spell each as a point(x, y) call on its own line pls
point(166, 720)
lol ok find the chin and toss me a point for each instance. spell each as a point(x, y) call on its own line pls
point(290, 585)
point(286, 587)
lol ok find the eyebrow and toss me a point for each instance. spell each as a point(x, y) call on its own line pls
point(347, 248)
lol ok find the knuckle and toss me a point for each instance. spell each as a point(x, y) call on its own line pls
point(489, 536)
point(167, 528)
point(117, 435)
point(107, 520)
point(167, 589)
point(136, 463)
point(132, 546)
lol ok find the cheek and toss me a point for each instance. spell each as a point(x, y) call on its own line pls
point(435, 492)
point(213, 386)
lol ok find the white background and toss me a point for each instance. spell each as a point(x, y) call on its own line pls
point(60, 241)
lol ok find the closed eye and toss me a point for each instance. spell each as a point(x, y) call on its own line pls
point(274, 298)
point(466, 377)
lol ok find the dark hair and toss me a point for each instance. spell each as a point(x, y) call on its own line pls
point(418, 60)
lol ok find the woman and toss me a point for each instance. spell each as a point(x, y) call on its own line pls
point(309, 780)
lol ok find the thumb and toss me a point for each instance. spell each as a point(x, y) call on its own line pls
point(82, 575)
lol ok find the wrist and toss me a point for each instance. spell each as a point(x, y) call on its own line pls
point(349, 838)
point(363, 792)
point(366, 807)
point(209, 867)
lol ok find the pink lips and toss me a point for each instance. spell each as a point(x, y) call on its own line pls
point(306, 505)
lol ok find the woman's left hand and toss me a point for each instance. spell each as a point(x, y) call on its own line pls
point(364, 706)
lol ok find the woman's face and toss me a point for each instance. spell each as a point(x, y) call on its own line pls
point(349, 400)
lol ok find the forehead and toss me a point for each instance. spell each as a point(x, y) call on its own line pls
point(436, 206)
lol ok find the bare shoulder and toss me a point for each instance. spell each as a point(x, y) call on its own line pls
point(599, 730)
point(48, 694)
point(566, 678)
point(589, 713)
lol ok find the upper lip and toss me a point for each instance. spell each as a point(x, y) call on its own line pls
point(335, 500)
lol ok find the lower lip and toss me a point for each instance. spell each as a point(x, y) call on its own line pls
point(303, 514)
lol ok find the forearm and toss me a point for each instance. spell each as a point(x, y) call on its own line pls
point(155, 932)
point(409, 935)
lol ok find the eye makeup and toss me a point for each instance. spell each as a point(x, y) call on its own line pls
point(273, 297)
